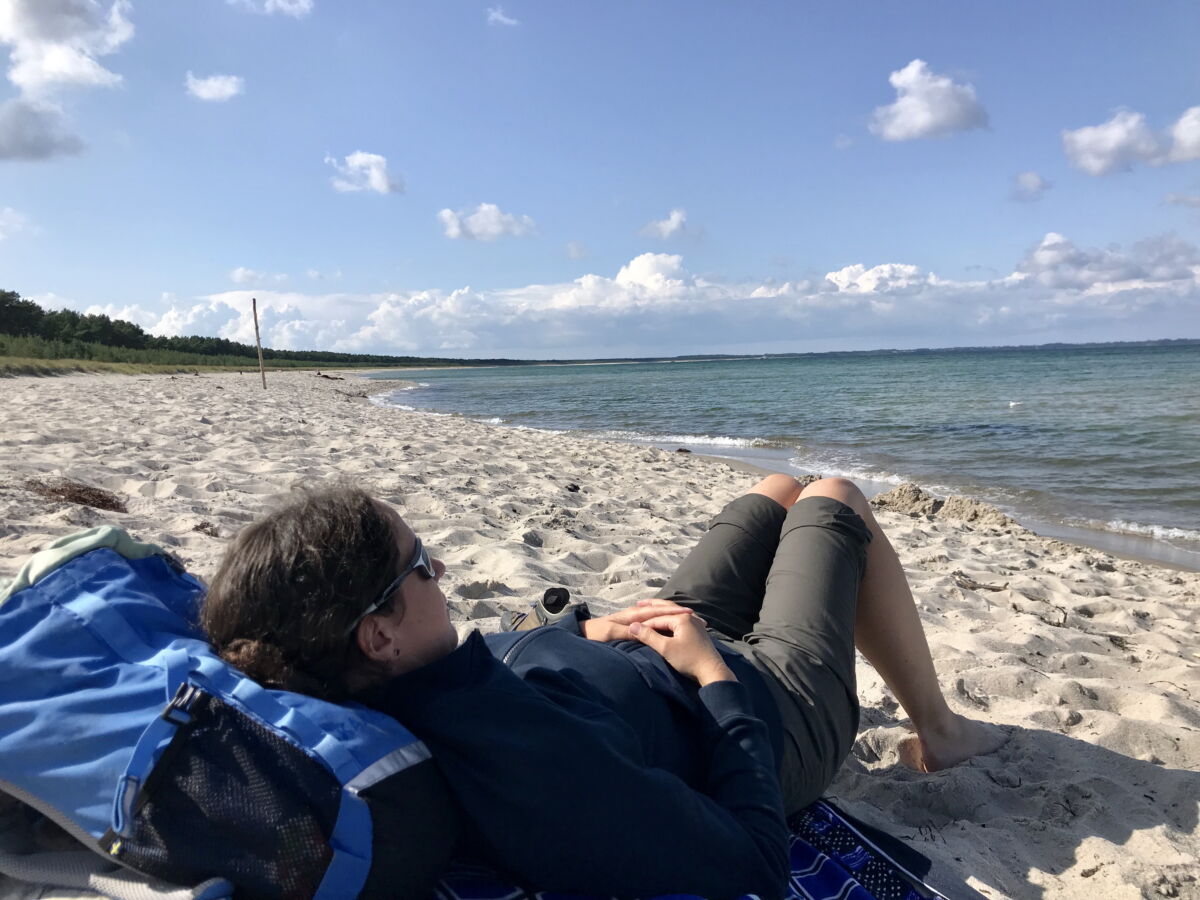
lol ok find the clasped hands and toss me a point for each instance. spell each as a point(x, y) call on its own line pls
point(674, 631)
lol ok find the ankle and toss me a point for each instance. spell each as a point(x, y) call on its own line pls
point(942, 723)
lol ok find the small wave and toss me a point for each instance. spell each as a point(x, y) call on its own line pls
point(406, 387)
point(494, 420)
point(1012, 403)
point(840, 470)
point(703, 439)
point(539, 430)
point(1161, 532)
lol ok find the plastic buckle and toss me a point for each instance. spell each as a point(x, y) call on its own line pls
point(177, 712)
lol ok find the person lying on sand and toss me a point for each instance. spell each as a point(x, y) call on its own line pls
point(658, 749)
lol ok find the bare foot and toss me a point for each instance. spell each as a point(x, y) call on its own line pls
point(959, 740)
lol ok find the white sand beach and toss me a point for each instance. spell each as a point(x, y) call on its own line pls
point(1091, 661)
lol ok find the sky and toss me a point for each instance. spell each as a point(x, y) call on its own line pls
point(590, 179)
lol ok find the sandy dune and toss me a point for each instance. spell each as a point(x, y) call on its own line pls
point(1089, 659)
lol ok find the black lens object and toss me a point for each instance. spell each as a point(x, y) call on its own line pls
point(556, 599)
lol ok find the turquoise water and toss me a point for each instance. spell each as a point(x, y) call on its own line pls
point(1106, 439)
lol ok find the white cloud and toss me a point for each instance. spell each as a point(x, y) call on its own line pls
point(657, 273)
point(1126, 138)
point(486, 223)
point(243, 275)
point(927, 105)
point(1184, 137)
point(132, 312)
point(54, 44)
point(1114, 145)
point(884, 279)
point(215, 88)
point(11, 222)
point(654, 305)
point(1192, 200)
point(361, 171)
point(30, 130)
point(496, 16)
point(673, 224)
point(576, 250)
point(58, 42)
point(1029, 186)
point(1057, 263)
point(297, 9)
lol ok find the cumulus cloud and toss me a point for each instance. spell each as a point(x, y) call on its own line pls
point(1029, 186)
point(59, 42)
point(215, 88)
point(1126, 138)
point(496, 16)
point(11, 222)
point(485, 223)
point(675, 223)
point(885, 279)
point(54, 44)
point(1192, 200)
point(1112, 146)
point(361, 171)
point(31, 130)
point(297, 9)
point(651, 305)
point(132, 312)
point(1056, 262)
point(926, 106)
point(1184, 137)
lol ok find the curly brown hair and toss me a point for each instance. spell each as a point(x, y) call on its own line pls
point(291, 584)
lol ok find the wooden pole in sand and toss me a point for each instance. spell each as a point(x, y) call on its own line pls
point(258, 340)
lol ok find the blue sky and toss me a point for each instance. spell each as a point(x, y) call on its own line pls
point(549, 179)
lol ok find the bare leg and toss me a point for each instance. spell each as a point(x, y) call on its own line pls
point(888, 632)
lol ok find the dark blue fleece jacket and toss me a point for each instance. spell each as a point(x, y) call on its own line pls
point(594, 768)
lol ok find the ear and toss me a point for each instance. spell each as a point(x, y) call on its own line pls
point(375, 639)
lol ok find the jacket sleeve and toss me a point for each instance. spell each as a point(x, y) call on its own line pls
point(556, 785)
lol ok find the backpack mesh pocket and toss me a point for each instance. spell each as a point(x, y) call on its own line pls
point(231, 799)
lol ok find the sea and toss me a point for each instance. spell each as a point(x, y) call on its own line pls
point(1095, 444)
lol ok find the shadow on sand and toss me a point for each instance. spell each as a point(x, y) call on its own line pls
point(1028, 807)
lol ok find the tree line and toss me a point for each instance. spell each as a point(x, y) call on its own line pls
point(30, 331)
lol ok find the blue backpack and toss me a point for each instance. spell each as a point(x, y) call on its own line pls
point(119, 723)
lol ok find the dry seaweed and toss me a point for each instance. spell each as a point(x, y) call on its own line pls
point(76, 492)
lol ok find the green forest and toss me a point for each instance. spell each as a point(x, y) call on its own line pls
point(30, 332)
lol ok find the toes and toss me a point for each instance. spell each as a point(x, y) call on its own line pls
point(912, 754)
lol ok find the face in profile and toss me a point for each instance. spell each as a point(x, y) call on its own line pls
point(418, 630)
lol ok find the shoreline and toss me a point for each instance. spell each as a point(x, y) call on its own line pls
point(1127, 545)
point(1087, 660)
point(1135, 548)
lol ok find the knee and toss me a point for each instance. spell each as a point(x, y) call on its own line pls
point(841, 489)
point(783, 489)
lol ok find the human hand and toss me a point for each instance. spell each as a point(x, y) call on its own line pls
point(615, 626)
point(686, 646)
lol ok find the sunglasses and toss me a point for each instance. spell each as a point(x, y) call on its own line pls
point(420, 562)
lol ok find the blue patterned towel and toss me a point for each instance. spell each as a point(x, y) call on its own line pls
point(832, 857)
